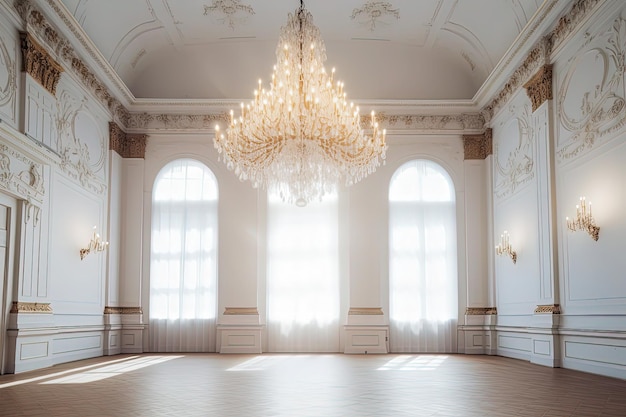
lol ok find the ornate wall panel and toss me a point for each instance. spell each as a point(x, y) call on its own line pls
point(514, 150)
point(8, 77)
point(82, 141)
point(21, 176)
point(591, 105)
point(40, 115)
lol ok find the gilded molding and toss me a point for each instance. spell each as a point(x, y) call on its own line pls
point(19, 307)
point(123, 310)
point(150, 121)
point(481, 311)
point(458, 122)
point(126, 145)
point(38, 63)
point(539, 87)
point(241, 311)
point(366, 311)
point(478, 146)
point(548, 309)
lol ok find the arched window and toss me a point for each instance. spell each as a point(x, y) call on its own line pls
point(303, 276)
point(423, 296)
point(183, 259)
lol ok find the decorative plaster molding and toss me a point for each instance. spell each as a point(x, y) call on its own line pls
point(150, 121)
point(241, 311)
point(569, 21)
point(457, 122)
point(123, 310)
point(39, 27)
point(540, 54)
point(229, 9)
point(481, 311)
point(373, 12)
point(126, 145)
point(478, 146)
point(366, 311)
point(21, 175)
point(38, 63)
point(539, 87)
point(516, 167)
point(548, 309)
point(8, 92)
point(600, 109)
point(19, 307)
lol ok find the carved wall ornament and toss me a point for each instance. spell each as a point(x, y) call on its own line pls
point(456, 122)
point(477, 146)
point(601, 109)
point(38, 63)
point(8, 91)
point(232, 12)
point(76, 160)
point(567, 23)
point(481, 311)
point(29, 307)
point(515, 165)
point(548, 309)
point(126, 145)
point(150, 121)
point(539, 87)
point(123, 310)
point(374, 12)
point(20, 175)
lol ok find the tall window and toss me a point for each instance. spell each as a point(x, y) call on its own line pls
point(303, 276)
point(183, 261)
point(422, 259)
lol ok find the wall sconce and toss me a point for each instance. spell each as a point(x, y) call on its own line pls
point(504, 247)
point(95, 245)
point(584, 220)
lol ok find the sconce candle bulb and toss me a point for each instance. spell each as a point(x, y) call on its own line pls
point(504, 247)
point(584, 220)
point(96, 244)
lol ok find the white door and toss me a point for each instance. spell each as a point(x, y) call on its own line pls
point(7, 223)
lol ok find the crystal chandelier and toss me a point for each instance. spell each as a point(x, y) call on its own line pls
point(300, 137)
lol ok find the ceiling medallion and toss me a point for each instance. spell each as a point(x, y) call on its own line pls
point(299, 137)
point(229, 9)
point(374, 12)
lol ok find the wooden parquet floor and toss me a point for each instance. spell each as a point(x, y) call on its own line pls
point(308, 385)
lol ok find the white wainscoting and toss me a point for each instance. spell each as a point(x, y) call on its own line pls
point(367, 339)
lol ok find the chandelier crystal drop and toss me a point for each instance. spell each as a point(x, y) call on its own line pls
point(300, 137)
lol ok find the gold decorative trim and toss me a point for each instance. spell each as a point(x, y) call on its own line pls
point(241, 311)
point(38, 63)
point(27, 307)
point(481, 311)
point(548, 309)
point(478, 146)
point(539, 87)
point(366, 311)
point(126, 145)
point(123, 310)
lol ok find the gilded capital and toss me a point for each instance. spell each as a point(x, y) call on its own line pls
point(477, 146)
point(38, 63)
point(125, 144)
point(548, 309)
point(539, 87)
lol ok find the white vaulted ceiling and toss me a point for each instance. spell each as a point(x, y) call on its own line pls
point(383, 50)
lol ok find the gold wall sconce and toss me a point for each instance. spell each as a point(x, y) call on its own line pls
point(504, 247)
point(96, 244)
point(584, 220)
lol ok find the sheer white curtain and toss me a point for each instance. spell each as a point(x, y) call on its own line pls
point(183, 259)
point(302, 276)
point(423, 296)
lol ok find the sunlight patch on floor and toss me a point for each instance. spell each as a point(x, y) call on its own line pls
point(414, 363)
